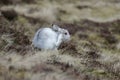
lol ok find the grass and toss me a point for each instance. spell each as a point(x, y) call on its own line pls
point(92, 53)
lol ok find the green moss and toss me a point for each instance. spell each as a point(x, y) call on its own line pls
point(99, 72)
point(22, 20)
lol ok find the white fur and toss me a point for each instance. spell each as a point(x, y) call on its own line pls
point(50, 38)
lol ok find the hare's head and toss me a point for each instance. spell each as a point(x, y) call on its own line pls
point(64, 32)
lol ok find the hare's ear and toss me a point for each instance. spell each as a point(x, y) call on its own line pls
point(55, 27)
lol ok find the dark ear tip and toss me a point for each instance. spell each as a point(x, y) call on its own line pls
point(52, 24)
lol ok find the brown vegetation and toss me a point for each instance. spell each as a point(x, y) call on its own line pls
point(92, 54)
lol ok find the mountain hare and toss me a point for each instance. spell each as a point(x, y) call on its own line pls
point(50, 38)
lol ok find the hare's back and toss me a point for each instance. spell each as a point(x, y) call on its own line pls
point(47, 33)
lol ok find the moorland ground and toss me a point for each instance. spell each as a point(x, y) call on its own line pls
point(92, 54)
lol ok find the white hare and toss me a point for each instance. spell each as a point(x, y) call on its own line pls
point(50, 38)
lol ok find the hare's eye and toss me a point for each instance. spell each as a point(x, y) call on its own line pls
point(65, 33)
